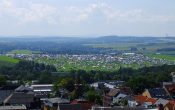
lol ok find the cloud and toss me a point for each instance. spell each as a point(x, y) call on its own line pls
point(31, 12)
point(43, 13)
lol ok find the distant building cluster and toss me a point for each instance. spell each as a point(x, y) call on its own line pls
point(103, 61)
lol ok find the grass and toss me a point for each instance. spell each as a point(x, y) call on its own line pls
point(8, 61)
point(161, 56)
point(23, 52)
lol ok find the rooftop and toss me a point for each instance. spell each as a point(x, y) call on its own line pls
point(22, 107)
point(141, 99)
point(158, 93)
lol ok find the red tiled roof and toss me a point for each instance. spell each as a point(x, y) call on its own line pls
point(152, 100)
point(141, 99)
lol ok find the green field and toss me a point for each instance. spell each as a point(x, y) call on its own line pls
point(161, 56)
point(115, 46)
point(23, 52)
point(7, 61)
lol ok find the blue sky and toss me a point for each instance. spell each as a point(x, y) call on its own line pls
point(87, 17)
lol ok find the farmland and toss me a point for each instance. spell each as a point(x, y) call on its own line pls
point(151, 48)
point(115, 46)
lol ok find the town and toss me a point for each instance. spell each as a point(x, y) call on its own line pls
point(94, 61)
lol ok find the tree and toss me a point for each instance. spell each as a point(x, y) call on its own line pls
point(2, 80)
point(138, 84)
point(93, 96)
point(64, 83)
point(45, 78)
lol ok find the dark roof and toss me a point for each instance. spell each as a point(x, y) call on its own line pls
point(158, 93)
point(23, 88)
point(126, 90)
point(20, 98)
point(113, 92)
point(4, 94)
point(55, 101)
point(69, 107)
point(6, 90)
point(123, 90)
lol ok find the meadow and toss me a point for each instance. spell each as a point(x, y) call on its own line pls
point(8, 61)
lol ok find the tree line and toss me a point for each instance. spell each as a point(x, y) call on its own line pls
point(137, 79)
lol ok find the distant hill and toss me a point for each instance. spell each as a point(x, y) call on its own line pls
point(125, 39)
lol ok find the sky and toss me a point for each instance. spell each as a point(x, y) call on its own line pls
point(87, 17)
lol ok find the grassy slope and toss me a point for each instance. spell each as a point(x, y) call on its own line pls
point(7, 61)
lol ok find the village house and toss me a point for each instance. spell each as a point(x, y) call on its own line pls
point(113, 93)
point(170, 89)
point(22, 96)
point(170, 105)
point(52, 103)
point(5, 91)
point(41, 90)
point(156, 93)
point(145, 101)
point(65, 104)
point(162, 103)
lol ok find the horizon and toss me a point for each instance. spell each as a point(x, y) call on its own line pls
point(82, 36)
point(87, 18)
